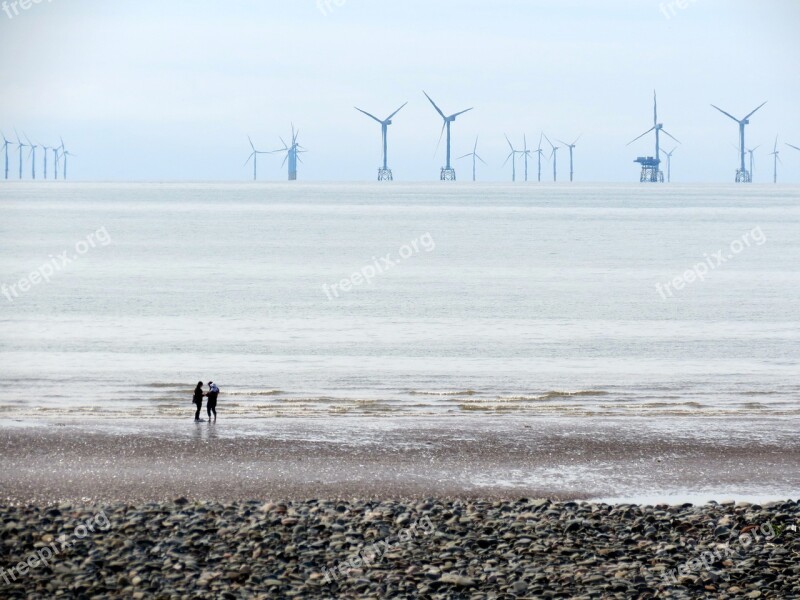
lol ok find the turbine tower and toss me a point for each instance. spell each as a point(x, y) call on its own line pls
point(513, 156)
point(554, 157)
point(776, 154)
point(651, 173)
point(571, 148)
point(669, 162)
point(32, 154)
point(539, 152)
point(44, 151)
point(254, 157)
point(65, 153)
point(6, 144)
point(55, 162)
point(526, 153)
point(447, 172)
point(742, 174)
point(384, 172)
point(292, 154)
point(20, 146)
point(474, 155)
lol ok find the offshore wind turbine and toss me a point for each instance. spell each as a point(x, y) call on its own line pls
point(752, 161)
point(6, 144)
point(526, 153)
point(554, 157)
point(776, 154)
point(65, 153)
point(292, 153)
point(651, 173)
point(539, 152)
point(55, 162)
point(571, 148)
point(44, 151)
point(384, 173)
point(513, 156)
point(447, 173)
point(474, 155)
point(20, 146)
point(254, 157)
point(32, 154)
point(669, 162)
point(742, 174)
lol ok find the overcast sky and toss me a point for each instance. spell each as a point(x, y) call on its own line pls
point(155, 90)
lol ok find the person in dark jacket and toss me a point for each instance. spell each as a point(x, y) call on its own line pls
point(198, 399)
point(213, 392)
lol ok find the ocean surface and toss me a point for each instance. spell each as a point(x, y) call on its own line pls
point(329, 300)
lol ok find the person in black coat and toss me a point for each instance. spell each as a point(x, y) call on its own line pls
point(198, 399)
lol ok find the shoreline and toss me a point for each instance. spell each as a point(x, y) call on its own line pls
point(671, 461)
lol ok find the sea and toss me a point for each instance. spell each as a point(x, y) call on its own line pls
point(440, 300)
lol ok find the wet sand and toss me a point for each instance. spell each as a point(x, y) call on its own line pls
point(495, 458)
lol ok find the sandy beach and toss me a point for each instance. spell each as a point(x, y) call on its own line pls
point(625, 459)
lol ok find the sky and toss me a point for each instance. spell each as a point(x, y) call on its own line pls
point(161, 91)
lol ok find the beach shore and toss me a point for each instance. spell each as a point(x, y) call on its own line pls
point(636, 460)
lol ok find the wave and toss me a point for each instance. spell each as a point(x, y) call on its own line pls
point(253, 393)
point(445, 393)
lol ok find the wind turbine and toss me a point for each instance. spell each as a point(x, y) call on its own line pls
point(554, 157)
point(669, 162)
point(513, 156)
point(651, 173)
point(44, 150)
point(55, 162)
point(742, 174)
point(20, 146)
point(292, 153)
point(571, 148)
point(447, 172)
point(752, 161)
point(254, 157)
point(384, 173)
point(539, 152)
point(6, 144)
point(526, 153)
point(65, 153)
point(776, 154)
point(32, 154)
point(474, 155)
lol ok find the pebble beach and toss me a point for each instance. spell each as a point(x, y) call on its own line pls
point(520, 548)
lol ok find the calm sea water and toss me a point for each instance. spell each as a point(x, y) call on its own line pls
point(534, 299)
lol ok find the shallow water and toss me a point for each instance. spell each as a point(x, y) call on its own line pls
point(531, 300)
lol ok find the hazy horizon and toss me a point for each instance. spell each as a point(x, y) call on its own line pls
point(174, 98)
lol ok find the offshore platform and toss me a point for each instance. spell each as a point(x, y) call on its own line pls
point(651, 165)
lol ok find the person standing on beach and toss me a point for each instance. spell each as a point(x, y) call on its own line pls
point(198, 399)
point(213, 392)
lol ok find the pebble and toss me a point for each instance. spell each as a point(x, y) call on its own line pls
point(437, 549)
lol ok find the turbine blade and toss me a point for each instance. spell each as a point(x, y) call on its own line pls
point(793, 146)
point(507, 157)
point(251, 143)
point(248, 159)
point(369, 115)
point(480, 159)
point(453, 116)
point(465, 156)
point(641, 136)
point(395, 112)
point(441, 135)
point(548, 140)
point(439, 110)
point(655, 109)
point(664, 131)
point(754, 112)
point(475, 149)
point(509, 143)
point(575, 143)
point(727, 114)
